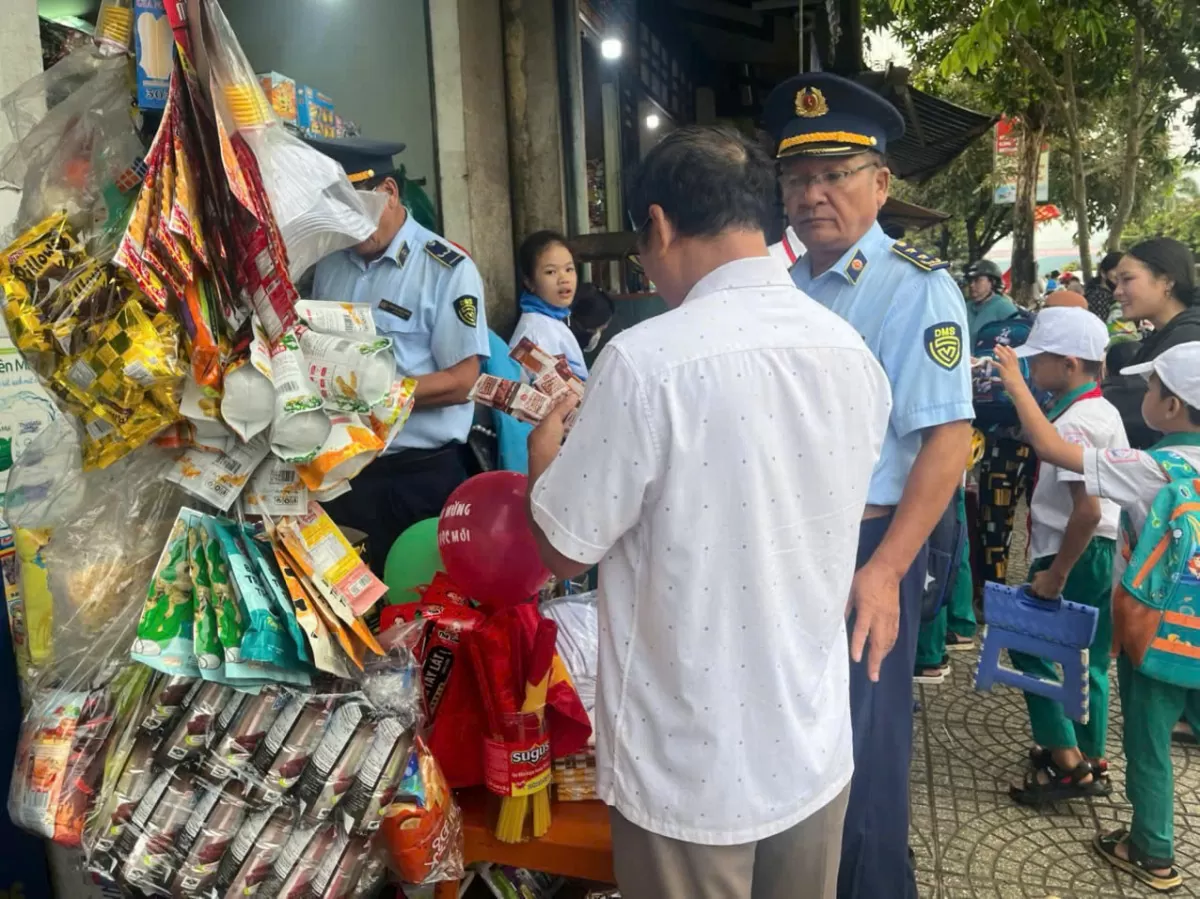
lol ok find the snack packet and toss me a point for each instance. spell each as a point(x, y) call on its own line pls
point(148, 842)
point(300, 425)
point(210, 657)
point(351, 375)
point(521, 401)
point(340, 868)
point(337, 318)
point(193, 732)
point(206, 836)
point(297, 863)
point(218, 478)
point(284, 753)
point(325, 555)
point(331, 492)
point(131, 782)
point(280, 600)
point(207, 431)
point(335, 763)
point(168, 696)
point(240, 738)
point(350, 447)
point(254, 850)
point(43, 753)
point(164, 634)
point(324, 654)
point(374, 787)
point(387, 418)
point(275, 489)
point(28, 329)
point(248, 401)
point(423, 827)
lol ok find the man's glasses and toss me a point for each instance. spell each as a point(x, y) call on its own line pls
point(826, 180)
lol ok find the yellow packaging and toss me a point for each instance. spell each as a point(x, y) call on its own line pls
point(36, 600)
point(348, 449)
point(55, 222)
point(28, 331)
point(79, 287)
point(387, 418)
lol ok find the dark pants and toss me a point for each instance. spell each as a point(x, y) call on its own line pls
point(395, 492)
point(875, 862)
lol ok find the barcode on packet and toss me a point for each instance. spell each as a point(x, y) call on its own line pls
point(229, 463)
point(287, 387)
point(281, 477)
point(360, 585)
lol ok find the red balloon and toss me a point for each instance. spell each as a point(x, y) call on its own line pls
point(485, 541)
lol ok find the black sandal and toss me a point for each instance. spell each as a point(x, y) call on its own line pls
point(1043, 758)
point(1138, 864)
point(1060, 785)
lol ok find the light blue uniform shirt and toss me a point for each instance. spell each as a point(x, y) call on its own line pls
point(428, 298)
point(914, 321)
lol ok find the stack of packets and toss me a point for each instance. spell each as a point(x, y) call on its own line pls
point(295, 421)
point(574, 777)
point(235, 605)
point(176, 786)
point(552, 379)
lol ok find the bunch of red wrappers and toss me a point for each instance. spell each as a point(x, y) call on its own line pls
point(551, 381)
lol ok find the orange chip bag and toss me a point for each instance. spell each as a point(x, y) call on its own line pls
point(423, 833)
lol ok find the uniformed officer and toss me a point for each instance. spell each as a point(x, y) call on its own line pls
point(427, 296)
point(832, 139)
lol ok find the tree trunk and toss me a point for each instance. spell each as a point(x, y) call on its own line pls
point(1133, 133)
point(1078, 176)
point(1024, 264)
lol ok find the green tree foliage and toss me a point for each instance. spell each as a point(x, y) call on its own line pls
point(1177, 215)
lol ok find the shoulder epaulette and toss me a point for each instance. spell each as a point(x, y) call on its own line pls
point(922, 260)
point(444, 254)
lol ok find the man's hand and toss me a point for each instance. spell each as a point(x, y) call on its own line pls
point(545, 440)
point(1008, 367)
point(875, 603)
point(1048, 584)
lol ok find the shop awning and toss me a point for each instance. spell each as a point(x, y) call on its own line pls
point(909, 216)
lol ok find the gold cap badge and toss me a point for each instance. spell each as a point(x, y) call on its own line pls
point(810, 103)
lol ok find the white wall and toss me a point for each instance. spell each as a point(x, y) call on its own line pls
point(370, 56)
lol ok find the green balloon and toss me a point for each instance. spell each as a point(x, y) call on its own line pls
point(412, 562)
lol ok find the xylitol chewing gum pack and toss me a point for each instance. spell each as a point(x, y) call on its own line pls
point(154, 46)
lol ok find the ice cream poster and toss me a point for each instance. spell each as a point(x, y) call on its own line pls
point(154, 45)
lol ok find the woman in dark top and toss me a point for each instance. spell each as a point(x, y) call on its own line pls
point(1099, 293)
point(1155, 282)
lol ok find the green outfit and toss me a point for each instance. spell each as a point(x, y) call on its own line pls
point(1151, 708)
point(995, 308)
point(1090, 584)
point(958, 613)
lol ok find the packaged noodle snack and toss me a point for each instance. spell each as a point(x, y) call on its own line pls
point(387, 418)
point(348, 449)
point(275, 489)
point(300, 425)
point(352, 375)
point(218, 478)
point(164, 633)
point(337, 318)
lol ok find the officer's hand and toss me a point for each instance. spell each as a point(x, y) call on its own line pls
point(875, 603)
point(547, 437)
point(1008, 366)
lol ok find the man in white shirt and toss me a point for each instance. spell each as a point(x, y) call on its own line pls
point(718, 474)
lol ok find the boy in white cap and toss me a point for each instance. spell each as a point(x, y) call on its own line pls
point(1072, 541)
point(1133, 479)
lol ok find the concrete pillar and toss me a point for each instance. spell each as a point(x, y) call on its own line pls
point(467, 56)
point(20, 60)
point(534, 125)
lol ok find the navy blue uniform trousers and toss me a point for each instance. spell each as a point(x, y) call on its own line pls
point(875, 863)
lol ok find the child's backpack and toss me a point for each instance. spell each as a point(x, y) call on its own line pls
point(1156, 608)
point(993, 405)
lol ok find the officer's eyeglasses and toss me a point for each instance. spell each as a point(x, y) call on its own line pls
point(827, 180)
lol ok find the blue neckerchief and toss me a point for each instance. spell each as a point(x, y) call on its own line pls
point(531, 302)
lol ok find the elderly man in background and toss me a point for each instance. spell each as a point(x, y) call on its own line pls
point(718, 473)
point(832, 135)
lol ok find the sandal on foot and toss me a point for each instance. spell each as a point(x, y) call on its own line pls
point(1060, 785)
point(1043, 758)
point(1138, 864)
point(1182, 734)
point(958, 643)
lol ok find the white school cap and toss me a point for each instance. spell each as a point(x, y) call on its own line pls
point(1066, 331)
point(1178, 368)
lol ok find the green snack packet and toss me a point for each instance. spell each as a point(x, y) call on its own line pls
point(269, 575)
point(208, 645)
point(164, 638)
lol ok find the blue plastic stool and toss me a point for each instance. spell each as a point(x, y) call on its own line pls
point(1052, 629)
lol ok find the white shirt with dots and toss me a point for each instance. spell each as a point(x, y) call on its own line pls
point(718, 473)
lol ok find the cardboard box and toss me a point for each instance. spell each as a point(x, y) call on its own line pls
point(281, 94)
point(314, 112)
point(153, 47)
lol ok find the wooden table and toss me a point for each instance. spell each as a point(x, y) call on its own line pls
point(578, 845)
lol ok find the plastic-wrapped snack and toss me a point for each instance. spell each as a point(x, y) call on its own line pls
point(248, 402)
point(231, 622)
point(324, 554)
point(80, 287)
point(374, 787)
point(350, 447)
point(253, 851)
point(512, 397)
point(387, 418)
point(47, 251)
point(371, 876)
point(263, 639)
point(164, 633)
point(211, 828)
point(150, 838)
point(203, 414)
point(330, 493)
point(194, 731)
point(300, 424)
point(130, 785)
point(85, 766)
point(337, 318)
point(288, 746)
point(341, 867)
point(272, 581)
point(197, 311)
point(245, 732)
point(423, 834)
point(170, 694)
point(296, 865)
point(320, 643)
point(218, 478)
point(275, 489)
point(210, 657)
point(352, 375)
point(28, 329)
point(335, 763)
point(43, 753)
